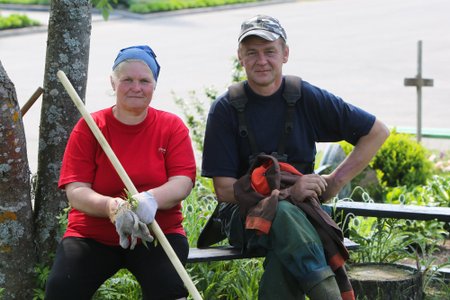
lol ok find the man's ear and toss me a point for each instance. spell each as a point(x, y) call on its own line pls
point(239, 57)
point(286, 54)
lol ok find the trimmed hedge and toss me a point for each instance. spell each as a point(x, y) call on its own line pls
point(16, 21)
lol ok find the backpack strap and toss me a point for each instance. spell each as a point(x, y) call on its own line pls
point(238, 100)
point(291, 94)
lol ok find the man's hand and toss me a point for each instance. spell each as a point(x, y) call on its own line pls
point(128, 225)
point(147, 207)
point(307, 186)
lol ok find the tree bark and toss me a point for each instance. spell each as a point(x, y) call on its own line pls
point(17, 251)
point(69, 32)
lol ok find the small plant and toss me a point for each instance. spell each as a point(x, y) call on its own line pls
point(42, 272)
point(123, 285)
point(432, 282)
point(380, 240)
point(195, 111)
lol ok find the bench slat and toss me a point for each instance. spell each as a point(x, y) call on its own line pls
point(398, 211)
point(229, 253)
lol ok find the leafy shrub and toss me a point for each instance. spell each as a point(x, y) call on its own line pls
point(142, 6)
point(435, 192)
point(43, 2)
point(402, 161)
point(16, 21)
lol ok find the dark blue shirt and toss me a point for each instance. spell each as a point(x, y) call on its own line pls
point(319, 117)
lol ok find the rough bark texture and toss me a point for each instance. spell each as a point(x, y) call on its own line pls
point(69, 33)
point(17, 252)
point(385, 281)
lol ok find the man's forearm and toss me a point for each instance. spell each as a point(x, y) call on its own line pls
point(358, 159)
point(224, 189)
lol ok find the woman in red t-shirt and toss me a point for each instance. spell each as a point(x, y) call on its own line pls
point(156, 152)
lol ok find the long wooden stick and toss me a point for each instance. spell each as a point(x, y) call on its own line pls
point(127, 181)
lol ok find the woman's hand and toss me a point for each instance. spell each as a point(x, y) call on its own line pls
point(147, 206)
point(129, 226)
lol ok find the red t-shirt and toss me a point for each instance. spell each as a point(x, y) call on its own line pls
point(150, 152)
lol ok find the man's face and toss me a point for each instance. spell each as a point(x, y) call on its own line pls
point(263, 61)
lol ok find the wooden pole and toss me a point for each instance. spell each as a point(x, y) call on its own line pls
point(419, 82)
point(419, 92)
point(31, 101)
point(128, 183)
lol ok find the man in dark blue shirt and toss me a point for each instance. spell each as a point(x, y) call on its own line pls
point(318, 116)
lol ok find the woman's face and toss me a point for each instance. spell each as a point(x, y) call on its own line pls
point(134, 85)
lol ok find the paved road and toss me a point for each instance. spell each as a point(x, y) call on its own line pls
point(359, 50)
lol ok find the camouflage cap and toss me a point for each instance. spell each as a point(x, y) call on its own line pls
point(263, 26)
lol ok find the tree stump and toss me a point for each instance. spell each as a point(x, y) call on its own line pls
point(373, 281)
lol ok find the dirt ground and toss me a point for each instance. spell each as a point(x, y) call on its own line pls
point(444, 253)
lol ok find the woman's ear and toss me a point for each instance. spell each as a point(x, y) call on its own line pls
point(113, 85)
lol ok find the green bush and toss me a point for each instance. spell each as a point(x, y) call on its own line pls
point(142, 6)
point(43, 2)
point(402, 161)
point(16, 21)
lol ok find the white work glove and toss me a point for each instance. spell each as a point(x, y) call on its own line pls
point(147, 207)
point(128, 225)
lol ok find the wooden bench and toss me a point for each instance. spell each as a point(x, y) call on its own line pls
point(221, 253)
point(396, 211)
point(380, 210)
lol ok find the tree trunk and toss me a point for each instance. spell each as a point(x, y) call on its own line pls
point(17, 251)
point(68, 44)
point(385, 281)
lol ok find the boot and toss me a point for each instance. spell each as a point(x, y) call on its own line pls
point(327, 289)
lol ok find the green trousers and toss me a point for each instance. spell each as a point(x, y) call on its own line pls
point(295, 261)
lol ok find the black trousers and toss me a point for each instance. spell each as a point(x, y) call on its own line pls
point(82, 265)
